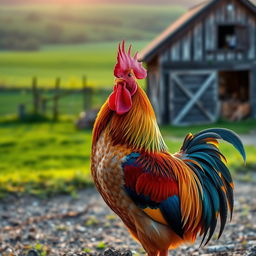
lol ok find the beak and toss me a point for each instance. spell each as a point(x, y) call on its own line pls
point(120, 80)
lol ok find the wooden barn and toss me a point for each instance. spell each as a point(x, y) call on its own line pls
point(203, 66)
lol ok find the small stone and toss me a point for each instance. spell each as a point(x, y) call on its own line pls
point(111, 252)
point(80, 229)
point(32, 253)
point(14, 222)
point(127, 253)
point(252, 251)
point(220, 248)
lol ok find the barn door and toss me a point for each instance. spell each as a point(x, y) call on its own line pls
point(194, 97)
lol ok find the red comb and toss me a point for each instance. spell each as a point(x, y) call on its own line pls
point(126, 62)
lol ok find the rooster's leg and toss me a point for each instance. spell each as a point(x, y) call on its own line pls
point(163, 253)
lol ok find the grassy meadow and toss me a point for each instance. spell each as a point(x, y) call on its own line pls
point(69, 62)
point(49, 41)
point(43, 158)
point(49, 158)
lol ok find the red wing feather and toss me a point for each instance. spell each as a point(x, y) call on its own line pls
point(157, 188)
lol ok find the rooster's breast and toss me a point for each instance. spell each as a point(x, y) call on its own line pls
point(108, 176)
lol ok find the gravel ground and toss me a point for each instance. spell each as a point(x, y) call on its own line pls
point(85, 226)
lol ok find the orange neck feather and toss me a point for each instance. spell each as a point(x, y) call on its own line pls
point(137, 129)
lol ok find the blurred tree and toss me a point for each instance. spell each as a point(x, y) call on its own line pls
point(54, 32)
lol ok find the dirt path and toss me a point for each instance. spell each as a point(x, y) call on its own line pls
point(73, 226)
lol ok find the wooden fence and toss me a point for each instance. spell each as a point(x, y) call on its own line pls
point(41, 102)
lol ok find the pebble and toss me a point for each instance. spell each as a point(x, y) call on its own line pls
point(32, 253)
point(220, 248)
point(252, 251)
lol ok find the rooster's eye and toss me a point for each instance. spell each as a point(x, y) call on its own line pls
point(130, 74)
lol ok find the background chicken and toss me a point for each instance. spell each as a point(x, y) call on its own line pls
point(164, 199)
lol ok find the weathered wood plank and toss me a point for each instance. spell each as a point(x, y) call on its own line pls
point(230, 56)
point(186, 44)
point(175, 52)
point(252, 41)
point(220, 56)
point(230, 11)
point(164, 56)
point(160, 96)
point(198, 42)
point(210, 33)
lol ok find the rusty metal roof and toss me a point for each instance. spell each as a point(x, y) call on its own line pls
point(152, 48)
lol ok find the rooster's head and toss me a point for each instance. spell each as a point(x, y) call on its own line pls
point(127, 70)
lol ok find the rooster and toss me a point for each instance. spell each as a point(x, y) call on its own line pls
point(164, 199)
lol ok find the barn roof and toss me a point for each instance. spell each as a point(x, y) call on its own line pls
point(153, 47)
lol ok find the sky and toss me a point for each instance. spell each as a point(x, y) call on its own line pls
point(183, 3)
point(186, 3)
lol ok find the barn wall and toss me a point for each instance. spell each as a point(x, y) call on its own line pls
point(199, 43)
point(253, 91)
point(155, 87)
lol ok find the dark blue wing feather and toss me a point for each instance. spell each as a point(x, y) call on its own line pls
point(170, 208)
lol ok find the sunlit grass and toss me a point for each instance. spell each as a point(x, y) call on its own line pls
point(44, 158)
point(241, 127)
point(50, 158)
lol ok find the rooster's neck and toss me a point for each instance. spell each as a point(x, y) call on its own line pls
point(137, 129)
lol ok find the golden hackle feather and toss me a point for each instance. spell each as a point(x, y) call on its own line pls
point(137, 129)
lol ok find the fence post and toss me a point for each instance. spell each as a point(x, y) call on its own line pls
point(87, 95)
point(35, 95)
point(43, 105)
point(56, 100)
point(22, 112)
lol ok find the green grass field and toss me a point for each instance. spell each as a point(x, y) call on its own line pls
point(95, 61)
point(43, 158)
point(242, 127)
point(74, 41)
point(50, 158)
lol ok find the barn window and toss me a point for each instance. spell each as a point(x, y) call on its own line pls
point(232, 37)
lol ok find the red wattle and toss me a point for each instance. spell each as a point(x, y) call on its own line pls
point(120, 100)
point(112, 101)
